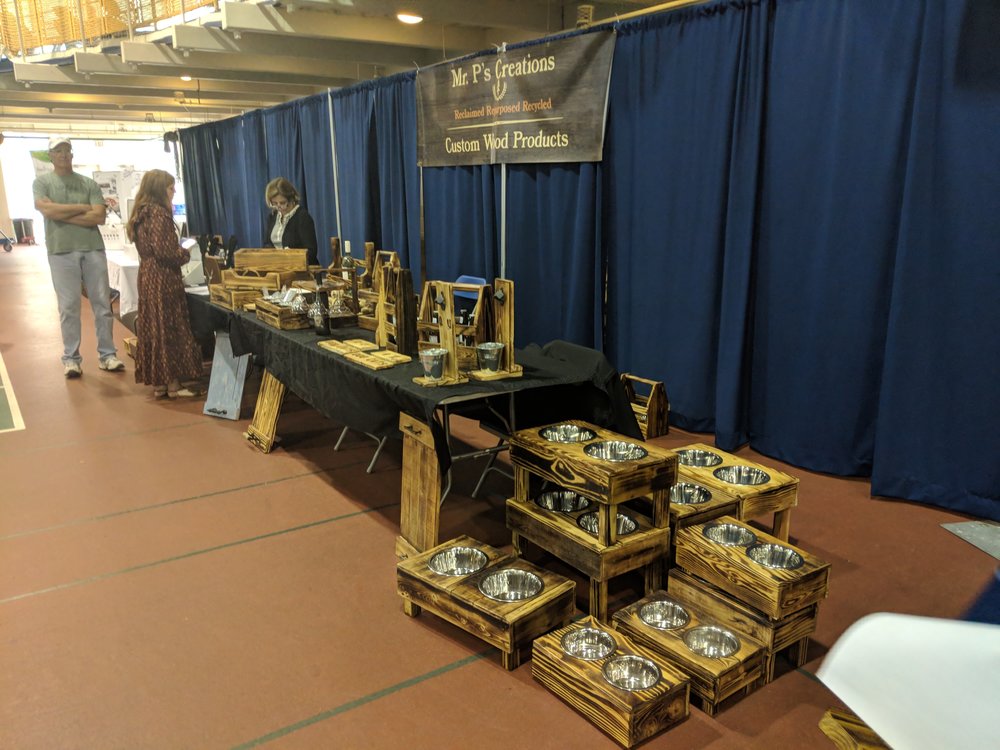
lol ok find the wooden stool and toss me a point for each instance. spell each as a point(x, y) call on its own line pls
point(511, 626)
point(628, 716)
point(712, 679)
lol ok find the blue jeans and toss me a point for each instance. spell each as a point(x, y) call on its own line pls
point(70, 272)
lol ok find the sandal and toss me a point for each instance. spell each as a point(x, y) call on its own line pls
point(182, 393)
point(159, 391)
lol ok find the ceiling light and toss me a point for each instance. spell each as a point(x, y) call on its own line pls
point(410, 18)
point(185, 78)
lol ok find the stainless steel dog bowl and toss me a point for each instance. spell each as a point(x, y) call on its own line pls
point(698, 457)
point(588, 644)
point(616, 450)
point(626, 524)
point(742, 475)
point(687, 493)
point(775, 556)
point(630, 672)
point(511, 585)
point(664, 615)
point(567, 433)
point(711, 641)
point(729, 534)
point(562, 501)
point(457, 561)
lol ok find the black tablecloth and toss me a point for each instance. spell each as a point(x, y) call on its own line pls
point(560, 381)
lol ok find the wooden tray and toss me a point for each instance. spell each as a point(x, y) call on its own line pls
point(350, 346)
point(377, 360)
point(280, 317)
point(270, 259)
point(233, 299)
point(510, 626)
point(775, 592)
point(712, 679)
point(628, 717)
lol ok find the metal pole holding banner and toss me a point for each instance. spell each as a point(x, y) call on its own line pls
point(503, 220)
point(333, 152)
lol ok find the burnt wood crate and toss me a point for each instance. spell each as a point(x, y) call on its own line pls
point(649, 403)
point(233, 299)
point(847, 732)
point(627, 716)
point(738, 663)
point(730, 565)
point(271, 259)
point(281, 317)
point(510, 626)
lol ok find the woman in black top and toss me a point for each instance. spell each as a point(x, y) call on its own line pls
point(289, 224)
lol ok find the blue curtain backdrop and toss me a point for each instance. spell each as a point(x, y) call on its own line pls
point(251, 234)
point(553, 252)
point(398, 175)
point(680, 166)
point(284, 148)
point(317, 160)
point(937, 438)
point(794, 227)
point(353, 114)
point(460, 222)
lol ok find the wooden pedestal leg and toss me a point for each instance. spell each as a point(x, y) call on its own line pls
point(768, 668)
point(599, 599)
point(512, 660)
point(517, 543)
point(654, 575)
point(420, 497)
point(800, 652)
point(782, 524)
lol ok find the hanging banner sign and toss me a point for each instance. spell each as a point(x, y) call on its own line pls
point(543, 103)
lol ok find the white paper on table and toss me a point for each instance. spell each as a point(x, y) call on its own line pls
point(920, 682)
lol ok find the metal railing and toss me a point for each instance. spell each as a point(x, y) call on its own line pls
point(37, 26)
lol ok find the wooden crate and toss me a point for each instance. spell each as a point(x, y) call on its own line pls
point(712, 679)
point(778, 495)
point(437, 323)
point(259, 280)
point(510, 626)
point(629, 717)
point(790, 632)
point(776, 592)
point(233, 299)
point(848, 732)
point(281, 317)
point(271, 259)
point(649, 403)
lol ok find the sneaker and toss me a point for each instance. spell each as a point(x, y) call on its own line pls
point(72, 370)
point(111, 364)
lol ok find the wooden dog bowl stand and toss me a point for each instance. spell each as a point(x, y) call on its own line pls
point(510, 626)
point(608, 484)
point(778, 495)
point(776, 593)
point(712, 680)
point(628, 717)
point(790, 633)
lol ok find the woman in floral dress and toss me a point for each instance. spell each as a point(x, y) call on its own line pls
point(166, 352)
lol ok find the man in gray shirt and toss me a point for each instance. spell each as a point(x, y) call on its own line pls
point(73, 208)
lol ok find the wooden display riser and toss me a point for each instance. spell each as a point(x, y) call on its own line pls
point(789, 634)
point(712, 679)
point(487, 375)
point(848, 732)
point(776, 592)
point(510, 626)
point(609, 483)
point(778, 495)
point(629, 717)
point(560, 535)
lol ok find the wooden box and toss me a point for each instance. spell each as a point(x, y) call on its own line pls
point(259, 280)
point(778, 495)
point(712, 679)
point(776, 592)
point(511, 626)
point(627, 716)
point(790, 632)
point(568, 465)
point(270, 259)
point(281, 317)
point(234, 299)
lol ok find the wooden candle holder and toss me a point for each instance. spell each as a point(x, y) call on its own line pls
point(776, 592)
point(627, 716)
point(511, 626)
point(712, 679)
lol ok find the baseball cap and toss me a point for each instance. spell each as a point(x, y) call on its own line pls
point(58, 140)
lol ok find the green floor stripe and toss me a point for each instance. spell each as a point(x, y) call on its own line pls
point(284, 731)
point(168, 503)
point(809, 674)
point(194, 553)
